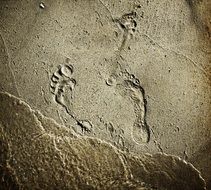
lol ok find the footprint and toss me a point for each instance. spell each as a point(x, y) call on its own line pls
point(62, 85)
point(128, 25)
point(127, 22)
point(129, 86)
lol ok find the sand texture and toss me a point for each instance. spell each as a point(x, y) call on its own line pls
point(105, 94)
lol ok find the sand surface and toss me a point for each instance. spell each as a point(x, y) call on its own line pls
point(131, 78)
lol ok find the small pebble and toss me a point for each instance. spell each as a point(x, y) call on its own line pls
point(42, 6)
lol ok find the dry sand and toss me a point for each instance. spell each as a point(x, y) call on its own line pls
point(129, 77)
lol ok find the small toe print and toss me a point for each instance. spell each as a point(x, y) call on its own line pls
point(67, 70)
point(111, 81)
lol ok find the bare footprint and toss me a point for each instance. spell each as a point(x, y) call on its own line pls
point(128, 22)
point(128, 25)
point(129, 86)
point(62, 85)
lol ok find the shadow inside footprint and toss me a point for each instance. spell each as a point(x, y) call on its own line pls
point(64, 94)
